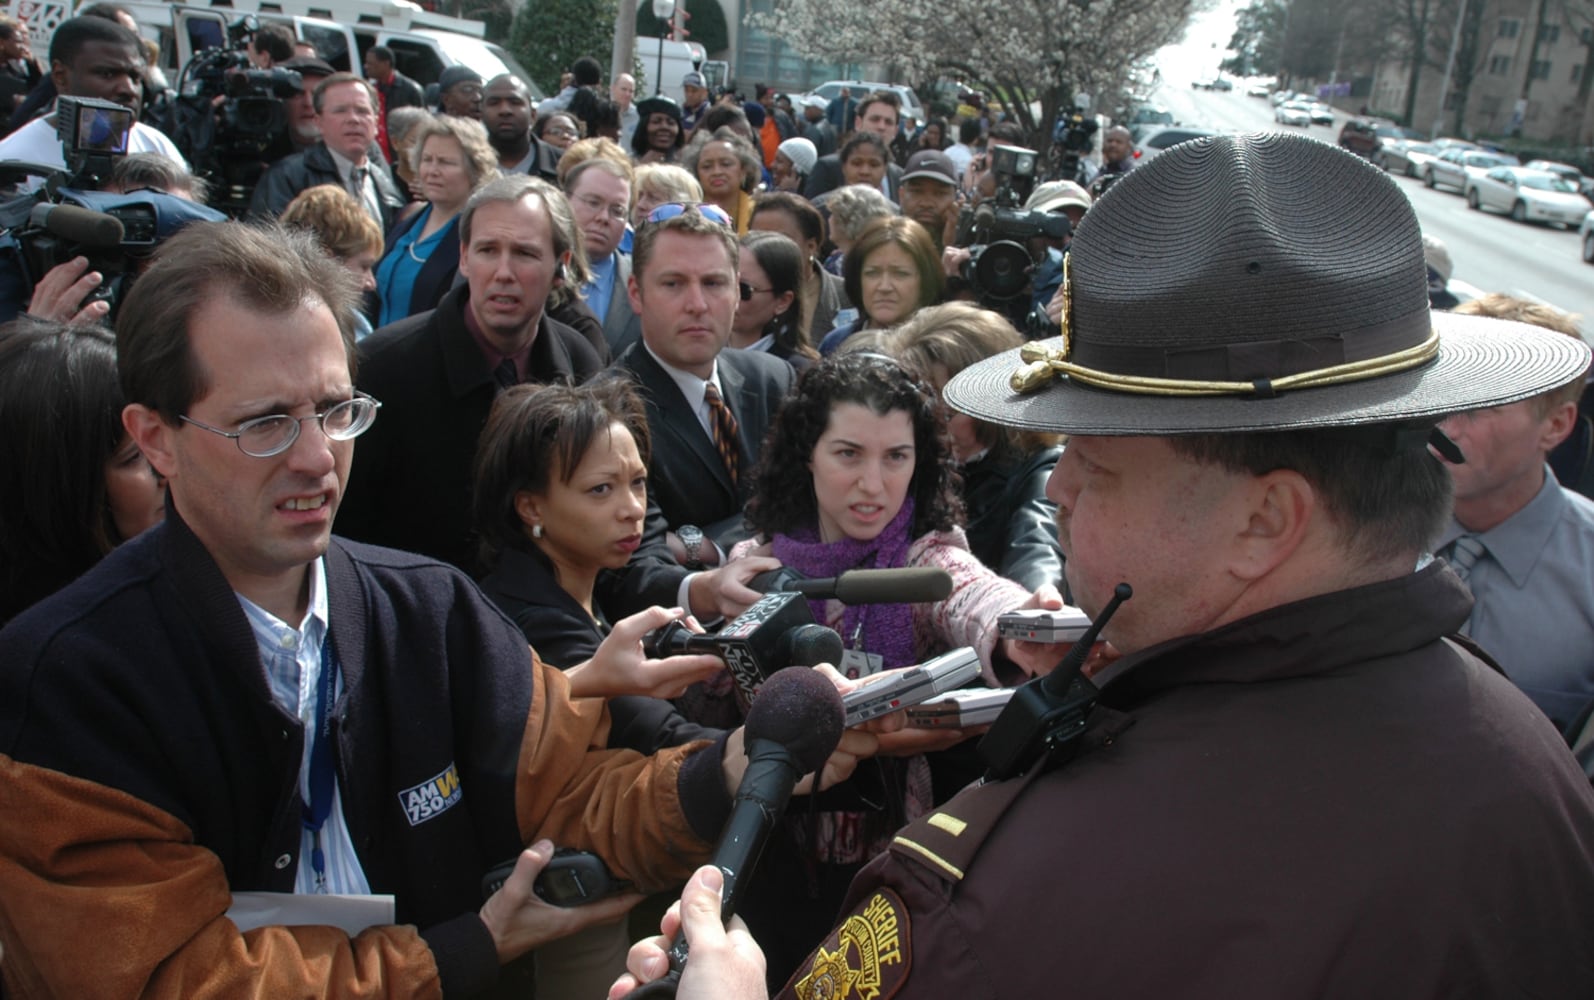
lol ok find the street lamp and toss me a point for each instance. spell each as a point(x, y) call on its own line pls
point(664, 10)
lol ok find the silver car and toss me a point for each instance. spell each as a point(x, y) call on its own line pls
point(1529, 195)
point(1454, 166)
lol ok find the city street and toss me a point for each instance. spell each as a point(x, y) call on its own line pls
point(1490, 252)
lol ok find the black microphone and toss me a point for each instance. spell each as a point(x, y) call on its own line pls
point(809, 646)
point(909, 585)
point(793, 726)
point(79, 225)
point(756, 643)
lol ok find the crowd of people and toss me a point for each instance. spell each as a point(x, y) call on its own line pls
point(328, 549)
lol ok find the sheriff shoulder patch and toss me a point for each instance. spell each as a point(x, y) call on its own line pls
point(867, 958)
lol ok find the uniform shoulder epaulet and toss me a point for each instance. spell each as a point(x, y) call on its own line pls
point(946, 839)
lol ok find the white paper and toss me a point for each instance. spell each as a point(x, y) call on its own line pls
point(283, 909)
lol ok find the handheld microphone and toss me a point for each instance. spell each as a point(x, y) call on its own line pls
point(79, 225)
point(776, 632)
point(793, 726)
point(908, 585)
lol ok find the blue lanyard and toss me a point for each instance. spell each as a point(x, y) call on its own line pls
point(323, 779)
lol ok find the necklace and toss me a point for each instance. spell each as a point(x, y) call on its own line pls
point(417, 258)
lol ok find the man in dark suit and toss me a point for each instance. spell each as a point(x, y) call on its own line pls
point(599, 190)
point(345, 108)
point(438, 372)
point(708, 407)
point(879, 113)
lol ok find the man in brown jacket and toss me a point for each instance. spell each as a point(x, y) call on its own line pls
point(1295, 781)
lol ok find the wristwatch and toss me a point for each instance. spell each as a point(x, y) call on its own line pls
point(691, 537)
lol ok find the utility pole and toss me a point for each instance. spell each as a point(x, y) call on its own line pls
point(1450, 65)
point(1519, 113)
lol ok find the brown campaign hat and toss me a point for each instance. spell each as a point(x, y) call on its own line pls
point(1257, 282)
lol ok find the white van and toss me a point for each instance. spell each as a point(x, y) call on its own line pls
point(679, 59)
point(423, 43)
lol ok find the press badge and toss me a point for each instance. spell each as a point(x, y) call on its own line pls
point(856, 663)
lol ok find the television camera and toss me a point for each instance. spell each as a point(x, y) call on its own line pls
point(229, 114)
point(66, 216)
point(997, 232)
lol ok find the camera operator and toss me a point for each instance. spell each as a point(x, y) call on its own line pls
point(65, 293)
point(89, 57)
point(345, 109)
point(271, 45)
point(1000, 254)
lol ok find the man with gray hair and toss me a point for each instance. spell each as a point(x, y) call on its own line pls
point(438, 372)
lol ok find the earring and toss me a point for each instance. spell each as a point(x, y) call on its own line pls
point(536, 531)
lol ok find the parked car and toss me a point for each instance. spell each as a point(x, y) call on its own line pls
point(1216, 83)
point(1150, 114)
point(1529, 195)
point(1321, 113)
point(1571, 173)
point(1258, 88)
point(1405, 156)
point(1360, 136)
point(1585, 235)
point(1455, 165)
point(1157, 140)
point(1293, 113)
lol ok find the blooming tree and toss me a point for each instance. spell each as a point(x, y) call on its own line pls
point(1030, 52)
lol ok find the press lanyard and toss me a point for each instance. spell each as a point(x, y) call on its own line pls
point(322, 777)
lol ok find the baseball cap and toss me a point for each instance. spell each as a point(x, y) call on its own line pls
point(693, 80)
point(931, 163)
point(308, 64)
point(1054, 195)
point(815, 101)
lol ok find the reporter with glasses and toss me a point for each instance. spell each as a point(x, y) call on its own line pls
point(253, 705)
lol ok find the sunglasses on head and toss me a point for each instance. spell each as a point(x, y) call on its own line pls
point(671, 210)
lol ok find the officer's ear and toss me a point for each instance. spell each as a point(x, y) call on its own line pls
point(1267, 519)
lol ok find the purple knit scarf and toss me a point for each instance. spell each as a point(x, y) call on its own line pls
point(887, 628)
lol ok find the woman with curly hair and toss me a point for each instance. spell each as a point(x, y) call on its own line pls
point(452, 158)
point(345, 231)
point(856, 473)
point(728, 167)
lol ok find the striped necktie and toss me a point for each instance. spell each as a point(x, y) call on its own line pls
point(1464, 553)
point(724, 430)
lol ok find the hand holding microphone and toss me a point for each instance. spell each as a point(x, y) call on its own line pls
point(793, 726)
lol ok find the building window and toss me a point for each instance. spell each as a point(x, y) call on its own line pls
point(1577, 73)
point(1509, 26)
point(1586, 36)
point(1499, 65)
point(1550, 33)
point(1541, 70)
